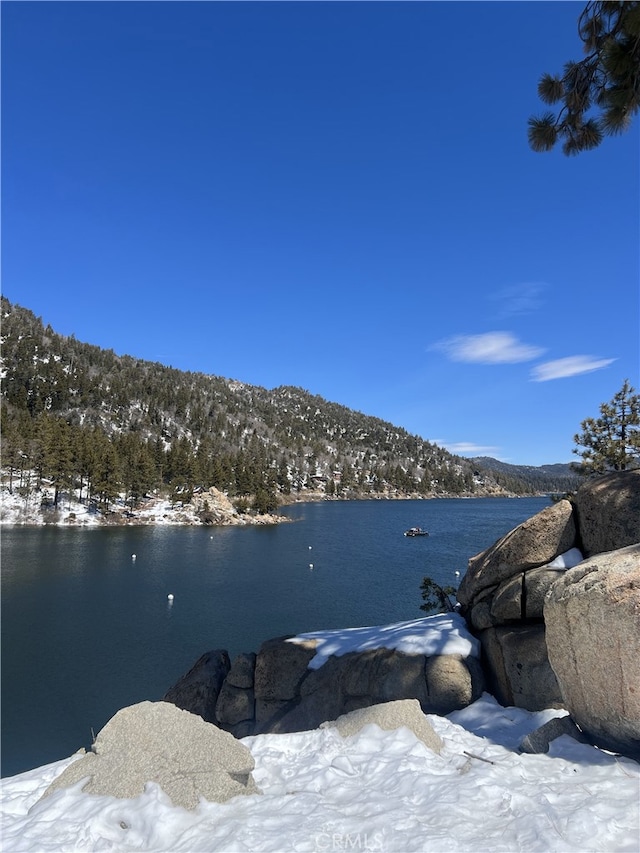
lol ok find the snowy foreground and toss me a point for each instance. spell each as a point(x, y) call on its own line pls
point(376, 790)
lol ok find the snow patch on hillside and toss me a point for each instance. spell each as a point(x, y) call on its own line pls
point(34, 507)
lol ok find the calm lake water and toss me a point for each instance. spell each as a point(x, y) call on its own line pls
point(87, 630)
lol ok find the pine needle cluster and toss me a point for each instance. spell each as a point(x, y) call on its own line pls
point(599, 95)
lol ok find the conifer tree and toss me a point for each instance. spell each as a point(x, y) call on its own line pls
point(612, 441)
point(436, 598)
point(106, 482)
point(283, 482)
point(599, 95)
point(265, 501)
point(58, 463)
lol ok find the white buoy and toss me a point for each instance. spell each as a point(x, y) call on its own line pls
point(133, 557)
point(170, 597)
point(310, 565)
point(457, 574)
point(309, 547)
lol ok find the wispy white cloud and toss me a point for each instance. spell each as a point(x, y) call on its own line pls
point(489, 348)
point(464, 448)
point(518, 299)
point(573, 365)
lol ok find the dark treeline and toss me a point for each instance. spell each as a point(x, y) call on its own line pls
point(527, 478)
point(85, 418)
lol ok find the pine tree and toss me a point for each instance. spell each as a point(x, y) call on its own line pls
point(265, 501)
point(612, 441)
point(106, 481)
point(58, 459)
point(137, 466)
point(606, 81)
point(283, 481)
point(436, 598)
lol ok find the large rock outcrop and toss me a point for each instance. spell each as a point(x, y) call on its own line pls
point(553, 627)
point(608, 512)
point(157, 742)
point(592, 616)
point(533, 543)
point(198, 690)
point(502, 596)
point(518, 669)
point(440, 684)
point(276, 690)
point(235, 707)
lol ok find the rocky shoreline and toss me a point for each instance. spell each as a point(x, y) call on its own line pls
point(533, 601)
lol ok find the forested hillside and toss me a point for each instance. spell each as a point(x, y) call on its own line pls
point(108, 425)
point(556, 478)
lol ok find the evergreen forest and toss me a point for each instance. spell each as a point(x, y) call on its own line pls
point(113, 426)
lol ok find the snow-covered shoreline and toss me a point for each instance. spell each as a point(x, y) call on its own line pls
point(17, 511)
point(376, 790)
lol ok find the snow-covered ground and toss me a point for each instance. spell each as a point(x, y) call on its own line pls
point(16, 510)
point(376, 790)
point(32, 510)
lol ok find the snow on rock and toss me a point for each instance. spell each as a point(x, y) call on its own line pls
point(444, 634)
point(375, 790)
point(567, 560)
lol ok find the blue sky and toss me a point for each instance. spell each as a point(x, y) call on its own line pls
point(334, 195)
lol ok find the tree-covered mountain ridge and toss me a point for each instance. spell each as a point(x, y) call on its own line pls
point(108, 425)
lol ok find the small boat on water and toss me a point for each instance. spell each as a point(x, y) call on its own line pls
point(416, 531)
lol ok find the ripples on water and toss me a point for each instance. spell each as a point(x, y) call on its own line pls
point(86, 629)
